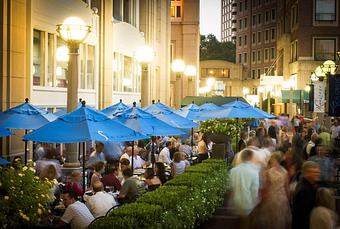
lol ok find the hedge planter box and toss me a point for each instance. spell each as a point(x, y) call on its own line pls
point(183, 202)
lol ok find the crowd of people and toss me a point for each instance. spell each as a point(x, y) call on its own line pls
point(284, 176)
point(111, 173)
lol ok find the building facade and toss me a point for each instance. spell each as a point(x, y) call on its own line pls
point(308, 34)
point(228, 20)
point(185, 40)
point(255, 39)
point(225, 78)
point(34, 60)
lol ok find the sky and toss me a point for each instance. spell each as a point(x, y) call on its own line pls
point(210, 17)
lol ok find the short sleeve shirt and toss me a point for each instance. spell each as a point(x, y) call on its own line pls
point(77, 215)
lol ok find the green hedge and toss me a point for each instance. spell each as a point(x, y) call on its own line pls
point(183, 202)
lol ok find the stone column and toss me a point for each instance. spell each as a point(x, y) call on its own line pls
point(145, 86)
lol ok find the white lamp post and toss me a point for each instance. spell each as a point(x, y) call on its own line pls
point(260, 91)
point(145, 55)
point(178, 67)
point(269, 89)
point(73, 31)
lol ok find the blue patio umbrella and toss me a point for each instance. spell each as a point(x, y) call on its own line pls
point(81, 125)
point(191, 111)
point(147, 124)
point(25, 117)
point(63, 111)
point(4, 132)
point(115, 109)
point(236, 109)
point(4, 162)
point(166, 114)
point(210, 107)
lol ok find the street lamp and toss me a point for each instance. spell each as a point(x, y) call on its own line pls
point(178, 67)
point(269, 89)
point(73, 31)
point(260, 91)
point(145, 55)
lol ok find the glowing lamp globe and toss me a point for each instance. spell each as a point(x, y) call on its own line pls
point(73, 30)
point(190, 70)
point(178, 66)
point(328, 67)
point(145, 54)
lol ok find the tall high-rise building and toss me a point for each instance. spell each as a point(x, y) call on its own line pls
point(253, 24)
point(228, 20)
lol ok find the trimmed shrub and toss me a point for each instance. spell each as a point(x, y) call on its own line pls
point(183, 202)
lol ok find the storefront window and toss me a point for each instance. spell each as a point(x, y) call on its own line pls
point(50, 65)
point(38, 66)
point(90, 66)
point(62, 63)
point(128, 75)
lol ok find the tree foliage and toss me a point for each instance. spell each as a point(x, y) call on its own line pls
point(212, 49)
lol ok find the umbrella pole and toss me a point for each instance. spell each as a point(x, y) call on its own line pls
point(133, 150)
point(192, 137)
point(237, 120)
point(26, 131)
point(84, 185)
point(152, 153)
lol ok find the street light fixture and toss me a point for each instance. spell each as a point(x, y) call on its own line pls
point(260, 91)
point(73, 31)
point(178, 67)
point(329, 67)
point(144, 56)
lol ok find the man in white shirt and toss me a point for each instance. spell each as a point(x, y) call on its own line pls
point(245, 183)
point(164, 155)
point(138, 162)
point(127, 154)
point(100, 202)
point(76, 213)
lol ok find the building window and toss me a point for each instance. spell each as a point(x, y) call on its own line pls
point(245, 58)
point(245, 22)
point(253, 56)
point(293, 51)
point(176, 9)
point(253, 40)
point(241, 6)
point(259, 37)
point(267, 35)
point(62, 66)
point(240, 24)
point(258, 73)
point(240, 41)
point(253, 3)
point(240, 58)
point(254, 20)
point(273, 14)
point(117, 9)
point(325, 10)
point(259, 19)
point(246, 5)
point(324, 48)
point(273, 33)
point(294, 16)
point(259, 56)
point(38, 58)
point(266, 54)
point(272, 53)
point(245, 42)
point(50, 59)
point(253, 73)
point(267, 16)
